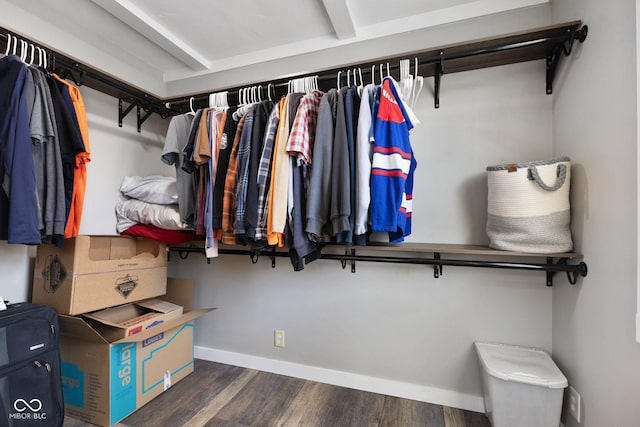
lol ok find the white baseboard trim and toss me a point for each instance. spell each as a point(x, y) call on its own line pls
point(344, 379)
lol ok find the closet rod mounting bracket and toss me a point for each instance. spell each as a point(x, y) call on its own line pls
point(564, 47)
point(437, 268)
point(141, 118)
point(122, 111)
point(437, 77)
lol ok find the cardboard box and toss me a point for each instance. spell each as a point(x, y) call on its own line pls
point(129, 319)
point(104, 381)
point(89, 273)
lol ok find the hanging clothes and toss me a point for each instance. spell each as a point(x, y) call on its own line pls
point(69, 136)
point(313, 168)
point(263, 177)
point(216, 122)
point(318, 225)
point(201, 157)
point(228, 209)
point(340, 206)
point(188, 166)
point(47, 161)
point(260, 121)
point(242, 178)
point(352, 107)
point(364, 154)
point(82, 158)
point(224, 153)
point(18, 203)
point(173, 154)
point(278, 190)
point(300, 148)
point(393, 166)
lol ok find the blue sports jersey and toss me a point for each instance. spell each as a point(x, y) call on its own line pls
point(392, 167)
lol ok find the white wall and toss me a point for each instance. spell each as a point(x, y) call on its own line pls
point(594, 116)
point(115, 153)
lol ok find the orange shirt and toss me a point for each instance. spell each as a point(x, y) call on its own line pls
point(80, 171)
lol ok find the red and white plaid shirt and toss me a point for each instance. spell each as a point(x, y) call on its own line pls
point(303, 130)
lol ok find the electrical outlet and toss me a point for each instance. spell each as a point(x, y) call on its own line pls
point(278, 338)
point(575, 401)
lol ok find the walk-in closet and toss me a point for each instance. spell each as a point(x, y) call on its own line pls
point(314, 185)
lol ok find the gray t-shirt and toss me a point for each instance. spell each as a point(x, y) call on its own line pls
point(176, 140)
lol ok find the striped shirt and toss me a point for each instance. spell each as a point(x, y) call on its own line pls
point(303, 130)
point(242, 179)
point(264, 172)
point(392, 167)
point(228, 209)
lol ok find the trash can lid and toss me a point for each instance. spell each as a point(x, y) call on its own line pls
point(521, 364)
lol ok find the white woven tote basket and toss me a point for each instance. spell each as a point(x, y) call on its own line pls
point(528, 206)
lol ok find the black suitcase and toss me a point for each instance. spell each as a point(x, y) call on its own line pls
point(30, 382)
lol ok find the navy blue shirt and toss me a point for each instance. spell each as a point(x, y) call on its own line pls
point(18, 203)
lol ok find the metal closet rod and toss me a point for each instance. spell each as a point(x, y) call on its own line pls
point(572, 270)
point(439, 58)
point(119, 89)
point(60, 63)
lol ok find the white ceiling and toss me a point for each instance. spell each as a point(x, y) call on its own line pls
point(158, 44)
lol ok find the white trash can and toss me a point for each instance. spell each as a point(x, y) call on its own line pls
point(522, 386)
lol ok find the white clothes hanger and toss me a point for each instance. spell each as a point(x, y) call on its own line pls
point(24, 49)
point(9, 37)
point(39, 50)
point(361, 85)
point(191, 112)
point(418, 83)
point(32, 54)
point(45, 59)
point(373, 71)
point(406, 80)
point(218, 100)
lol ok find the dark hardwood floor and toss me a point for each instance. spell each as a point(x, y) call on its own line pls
point(218, 395)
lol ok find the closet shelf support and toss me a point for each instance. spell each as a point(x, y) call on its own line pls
point(437, 77)
point(563, 48)
point(141, 119)
point(437, 268)
point(122, 111)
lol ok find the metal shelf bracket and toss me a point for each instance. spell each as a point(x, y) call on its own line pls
point(562, 48)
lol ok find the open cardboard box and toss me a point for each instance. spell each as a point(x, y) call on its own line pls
point(105, 380)
point(129, 319)
point(89, 273)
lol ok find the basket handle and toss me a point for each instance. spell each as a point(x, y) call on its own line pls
point(561, 173)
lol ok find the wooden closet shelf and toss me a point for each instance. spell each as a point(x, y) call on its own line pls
point(445, 248)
